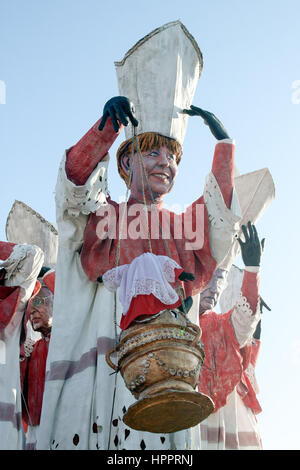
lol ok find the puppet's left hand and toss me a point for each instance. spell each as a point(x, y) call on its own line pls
point(252, 248)
point(215, 125)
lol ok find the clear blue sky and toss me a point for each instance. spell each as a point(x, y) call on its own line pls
point(57, 62)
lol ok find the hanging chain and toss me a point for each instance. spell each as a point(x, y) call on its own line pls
point(179, 290)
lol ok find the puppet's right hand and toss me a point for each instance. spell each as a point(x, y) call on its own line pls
point(119, 109)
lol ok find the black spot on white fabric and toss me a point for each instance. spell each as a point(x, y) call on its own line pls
point(127, 432)
point(95, 428)
point(116, 440)
point(115, 422)
point(142, 444)
point(162, 439)
point(76, 439)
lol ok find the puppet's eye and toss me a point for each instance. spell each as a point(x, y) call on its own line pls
point(174, 314)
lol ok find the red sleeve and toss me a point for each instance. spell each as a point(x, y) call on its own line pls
point(83, 158)
point(250, 289)
point(49, 280)
point(9, 298)
point(223, 169)
point(6, 249)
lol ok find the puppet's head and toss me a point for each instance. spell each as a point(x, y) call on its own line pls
point(157, 166)
point(210, 295)
point(41, 311)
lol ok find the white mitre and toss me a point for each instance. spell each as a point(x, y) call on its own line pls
point(255, 191)
point(25, 225)
point(159, 74)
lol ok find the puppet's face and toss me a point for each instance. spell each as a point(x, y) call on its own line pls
point(210, 295)
point(161, 169)
point(41, 311)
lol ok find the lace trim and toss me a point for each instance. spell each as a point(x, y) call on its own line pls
point(169, 267)
point(13, 263)
point(150, 286)
point(112, 278)
point(242, 306)
point(83, 199)
point(251, 376)
point(28, 346)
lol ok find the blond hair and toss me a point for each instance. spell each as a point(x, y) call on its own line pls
point(147, 141)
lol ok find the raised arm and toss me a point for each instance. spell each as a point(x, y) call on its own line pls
point(83, 158)
point(223, 162)
point(246, 312)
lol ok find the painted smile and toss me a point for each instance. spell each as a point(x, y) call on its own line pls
point(161, 176)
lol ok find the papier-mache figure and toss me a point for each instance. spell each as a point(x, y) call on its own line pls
point(39, 311)
point(83, 403)
point(19, 268)
point(229, 341)
point(26, 226)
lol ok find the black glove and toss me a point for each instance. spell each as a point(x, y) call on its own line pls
point(43, 271)
point(257, 332)
point(120, 109)
point(215, 125)
point(184, 276)
point(188, 302)
point(251, 248)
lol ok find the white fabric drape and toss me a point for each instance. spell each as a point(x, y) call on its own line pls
point(147, 274)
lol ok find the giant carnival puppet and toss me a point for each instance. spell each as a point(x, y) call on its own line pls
point(231, 345)
point(32, 240)
point(231, 338)
point(20, 265)
point(33, 368)
point(85, 405)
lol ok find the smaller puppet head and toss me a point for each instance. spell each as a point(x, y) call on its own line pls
point(41, 311)
point(210, 295)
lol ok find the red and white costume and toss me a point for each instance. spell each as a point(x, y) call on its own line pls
point(20, 267)
point(226, 377)
point(33, 372)
point(144, 286)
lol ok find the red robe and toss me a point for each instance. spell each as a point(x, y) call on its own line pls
point(224, 364)
point(33, 368)
point(246, 388)
point(34, 382)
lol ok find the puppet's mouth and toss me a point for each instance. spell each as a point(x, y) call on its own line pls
point(162, 176)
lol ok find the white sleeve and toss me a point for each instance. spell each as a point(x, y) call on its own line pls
point(112, 278)
point(244, 321)
point(168, 266)
point(223, 222)
point(23, 266)
point(22, 269)
point(75, 203)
